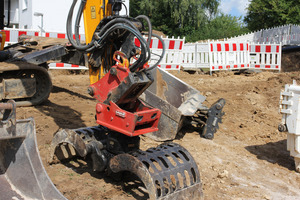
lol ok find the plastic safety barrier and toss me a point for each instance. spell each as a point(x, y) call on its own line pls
point(290, 109)
point(12, 35)
point(173, 55)
point(227, 55)
point(195, 56)
point(67, 66)
point(265, 56)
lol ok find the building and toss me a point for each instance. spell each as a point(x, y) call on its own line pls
point(35, 14)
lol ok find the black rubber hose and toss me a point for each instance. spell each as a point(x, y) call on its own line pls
point(144, 47)
point(163, 52)
point(111, 23)
point(149, 27)
point(77, 22)
point(70, 34)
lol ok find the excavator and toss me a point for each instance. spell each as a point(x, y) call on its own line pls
point(134, 98)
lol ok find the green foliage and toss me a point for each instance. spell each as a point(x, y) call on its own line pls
point(269, 13)
point(194, 19)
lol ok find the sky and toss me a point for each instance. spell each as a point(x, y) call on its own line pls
point(234, 7)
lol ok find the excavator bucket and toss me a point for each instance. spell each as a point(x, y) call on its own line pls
point(22, 174)
point(180, 105)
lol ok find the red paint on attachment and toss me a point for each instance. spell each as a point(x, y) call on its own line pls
point(277, 49)
point(47, 34)
point(74, 65)
point(268, 66)
point(211, 47)
point(257, 66)
point(268, 49)
point(235, 66)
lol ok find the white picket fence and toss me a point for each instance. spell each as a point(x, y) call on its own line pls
point(286, 35)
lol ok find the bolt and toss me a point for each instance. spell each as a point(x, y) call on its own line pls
point(219, 106)
point(113, 71)
point(90, 91)
point(209, 136)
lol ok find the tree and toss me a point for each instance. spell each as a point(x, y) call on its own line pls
point(194, 19)
point(269, 13)
point(172, 16)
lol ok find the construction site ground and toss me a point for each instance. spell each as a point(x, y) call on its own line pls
point(247, 159)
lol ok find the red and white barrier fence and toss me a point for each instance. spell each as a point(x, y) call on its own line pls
point(63, 35)
point(231, 55)
point(195, 56)
point(172, 58)
point(12, 35)
point(67, 66)
point(227, 55)
point(212, 55)
point(265, 56)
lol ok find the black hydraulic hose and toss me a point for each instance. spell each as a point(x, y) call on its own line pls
point(77, 22)
point(70, 34)
point(111, 23)
point(144, 45)
point(163, 52)
point(8, 13)
point(149, 26)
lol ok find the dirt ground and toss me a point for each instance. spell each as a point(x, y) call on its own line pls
point(247, 159)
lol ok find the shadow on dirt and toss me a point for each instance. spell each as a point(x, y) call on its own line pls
point(273, 152)
point(59, 113)
point(57, 89)
point(129, 182)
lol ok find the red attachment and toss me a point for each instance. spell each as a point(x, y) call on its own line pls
point(143, 120)
point(132, 117)
point(105, 85)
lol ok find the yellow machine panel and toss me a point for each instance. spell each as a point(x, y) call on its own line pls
point(2, 39)
point(93, 13)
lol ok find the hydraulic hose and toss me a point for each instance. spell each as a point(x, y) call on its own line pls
point(69, 30)
point(77, 22)
point(144, 47)
point(149, 26)
point(161, 56)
